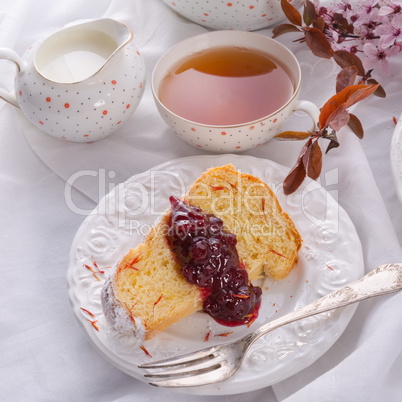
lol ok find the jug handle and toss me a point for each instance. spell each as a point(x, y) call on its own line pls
point(11, 55)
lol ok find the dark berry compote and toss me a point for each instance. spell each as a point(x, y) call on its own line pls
point(208, 258)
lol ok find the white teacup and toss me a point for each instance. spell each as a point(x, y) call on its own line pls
point(236, 137)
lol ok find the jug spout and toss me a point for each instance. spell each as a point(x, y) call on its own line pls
point(78, 52)
point(120, 32)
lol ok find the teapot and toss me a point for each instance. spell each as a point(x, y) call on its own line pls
point(81, 83)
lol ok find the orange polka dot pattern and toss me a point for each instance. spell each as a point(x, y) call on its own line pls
point(233, 139)
point(89, 110)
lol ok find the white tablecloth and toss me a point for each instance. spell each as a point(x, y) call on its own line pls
point(44, 354)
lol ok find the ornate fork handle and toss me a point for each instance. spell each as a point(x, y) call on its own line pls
point(385, 279)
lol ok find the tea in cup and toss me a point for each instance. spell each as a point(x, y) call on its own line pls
point(228, 91)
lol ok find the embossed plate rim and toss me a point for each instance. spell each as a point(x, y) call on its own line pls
point(277, 355)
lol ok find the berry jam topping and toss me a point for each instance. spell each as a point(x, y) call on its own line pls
point(208, 258)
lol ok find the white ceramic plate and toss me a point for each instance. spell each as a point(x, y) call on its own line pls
point(396, 157)
point(330, 258)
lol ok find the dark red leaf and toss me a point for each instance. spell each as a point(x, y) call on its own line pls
point(309, 13)
point(300, 40)
point(315, 161)
point(338, 118)
point(343, 100)
point(346, 59)
point(284, 28)
point(345, 78)
point(318, 43)
point(331, 136)
point(332, 144)
point(293, 135)
point(295, 178)
point(319, 23)
point(342, 22)
point(298, 173)
point(380, 91)
point(305, 151)
point(291, 13)
point(360, 94)
point(356, 125)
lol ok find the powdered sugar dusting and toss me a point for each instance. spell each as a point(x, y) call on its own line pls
point(117, 315)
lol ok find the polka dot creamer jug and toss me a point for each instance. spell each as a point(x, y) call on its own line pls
point(81, 83)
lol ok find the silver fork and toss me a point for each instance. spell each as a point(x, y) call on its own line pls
point(217, 363)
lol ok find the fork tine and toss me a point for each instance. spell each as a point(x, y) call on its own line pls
point(167, 374)
point(200, 362)
point(203, 367)
point(183, 360)
point(206, 376)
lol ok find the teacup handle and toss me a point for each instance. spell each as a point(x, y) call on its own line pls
point(11, 55)
point(311, 109)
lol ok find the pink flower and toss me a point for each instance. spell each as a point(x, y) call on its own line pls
point(366, 31)
point(392, 7)
point(343, 7)
point(369, 7)
point(390, 32)
point(368, 13)
point(378, 57)
point(375, 30)
point(342, 46)
point(325, 13)
point(334, 36)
